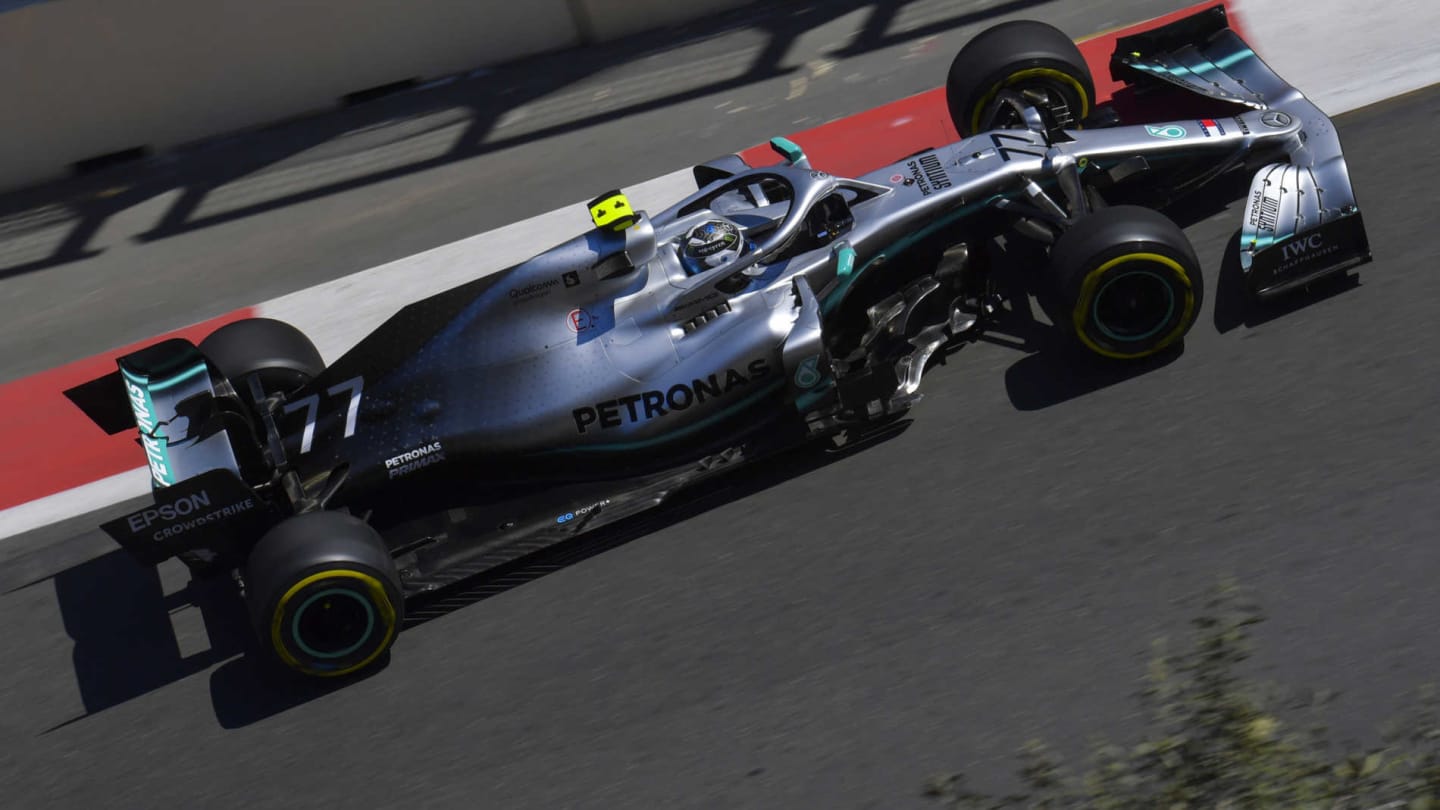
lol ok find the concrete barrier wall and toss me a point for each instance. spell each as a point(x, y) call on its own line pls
point(84, 78)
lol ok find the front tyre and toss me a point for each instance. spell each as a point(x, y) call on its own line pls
point(324, 594)
point(1022, 56)
point(1129, 282)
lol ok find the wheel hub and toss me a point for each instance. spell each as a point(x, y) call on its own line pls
point(333, 623)
point(1134, 306)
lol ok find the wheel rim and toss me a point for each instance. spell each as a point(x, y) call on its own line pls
point(1054, 82)
point(333, 623)
point(1125, 307)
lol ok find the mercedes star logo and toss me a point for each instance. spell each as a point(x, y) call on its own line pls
point(1276, 119)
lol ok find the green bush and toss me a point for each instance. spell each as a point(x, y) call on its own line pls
point(1214, 740)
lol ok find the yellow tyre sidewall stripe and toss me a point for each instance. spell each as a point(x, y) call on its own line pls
point(1091, 284)
point(1030, 73)
point(378, 595)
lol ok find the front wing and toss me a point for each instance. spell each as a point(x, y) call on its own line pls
point(1301, 218)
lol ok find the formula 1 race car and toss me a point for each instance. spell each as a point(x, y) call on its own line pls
point(774, 306)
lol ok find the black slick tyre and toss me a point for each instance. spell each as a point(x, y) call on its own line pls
point(324, 595)
point(278, 354)
point(1128, 281)
point(1019, 55)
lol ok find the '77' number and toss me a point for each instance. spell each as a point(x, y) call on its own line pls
point(311, 405)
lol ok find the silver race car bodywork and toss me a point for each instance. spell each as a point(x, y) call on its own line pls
point(594, 380)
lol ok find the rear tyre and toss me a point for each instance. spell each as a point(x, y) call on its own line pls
point(1022, 55)
point(324, 594)
point(1128, 282)
point(280, 356)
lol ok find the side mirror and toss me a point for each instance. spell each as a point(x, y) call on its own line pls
point(793, 154)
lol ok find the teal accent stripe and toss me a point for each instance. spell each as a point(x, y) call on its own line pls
point(845, 261)
point(1181, 70)
point(163, 473)
point(1239, 56)
point(183, 376)
point(809, 398)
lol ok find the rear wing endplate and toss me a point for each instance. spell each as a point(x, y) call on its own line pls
point(205, 520)
point(168, 392)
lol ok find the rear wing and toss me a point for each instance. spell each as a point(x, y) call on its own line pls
point(168, 392)
point(199, 448)
point(1301, 218)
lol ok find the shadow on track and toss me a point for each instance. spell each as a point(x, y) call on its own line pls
point(1235, 307)
point(125, 643)
point(120, 618)
point(1056, 372)
point(386, 133)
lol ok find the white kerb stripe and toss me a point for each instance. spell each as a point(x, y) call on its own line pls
point(1344, 55)
point(74, 502)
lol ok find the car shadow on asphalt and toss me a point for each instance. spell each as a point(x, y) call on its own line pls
point(1236, 307)
point(1055, 370)
point(741, 483)
point(123, 624)
point(120, 619)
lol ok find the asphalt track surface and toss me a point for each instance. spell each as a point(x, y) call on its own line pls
point(827, 636)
